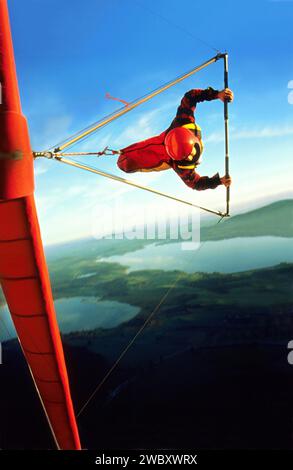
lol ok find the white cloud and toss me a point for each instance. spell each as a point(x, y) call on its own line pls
point(108, 190)
point(55, 129)
point(140, 129)
point(40, 168)
point(66, 211)
point(255, 133)
point(96, 143)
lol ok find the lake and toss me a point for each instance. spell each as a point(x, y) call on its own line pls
point(223, 256)
point(87, 313)
point(77, 314)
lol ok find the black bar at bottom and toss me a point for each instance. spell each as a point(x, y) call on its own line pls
point(127, 459)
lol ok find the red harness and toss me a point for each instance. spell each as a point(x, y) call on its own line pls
point(147, 154)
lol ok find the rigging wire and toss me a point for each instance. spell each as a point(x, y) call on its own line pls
point(132, 341)
point(59, 155)
point(131, 183)
point(175, 25)
point(222, 215)
point(80, 136)
point(128, 347)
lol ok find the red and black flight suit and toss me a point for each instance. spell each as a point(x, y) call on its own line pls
point(151, 154)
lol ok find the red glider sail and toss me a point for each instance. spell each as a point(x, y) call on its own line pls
point(23, 270)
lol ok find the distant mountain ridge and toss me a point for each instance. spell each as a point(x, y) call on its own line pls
point(276, 220)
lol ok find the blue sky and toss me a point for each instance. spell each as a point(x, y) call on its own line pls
point(70, 53)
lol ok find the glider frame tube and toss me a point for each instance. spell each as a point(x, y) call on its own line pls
point(23, 270)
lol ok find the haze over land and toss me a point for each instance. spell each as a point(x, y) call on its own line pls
point(215, 348)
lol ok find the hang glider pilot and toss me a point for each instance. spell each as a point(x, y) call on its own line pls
point(179, 147)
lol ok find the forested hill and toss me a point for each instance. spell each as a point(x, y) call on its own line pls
point(275, 219)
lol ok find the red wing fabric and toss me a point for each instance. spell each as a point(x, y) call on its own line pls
point(26, 286)
point(23, 271)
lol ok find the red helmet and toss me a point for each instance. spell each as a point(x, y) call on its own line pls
point(179, 143)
